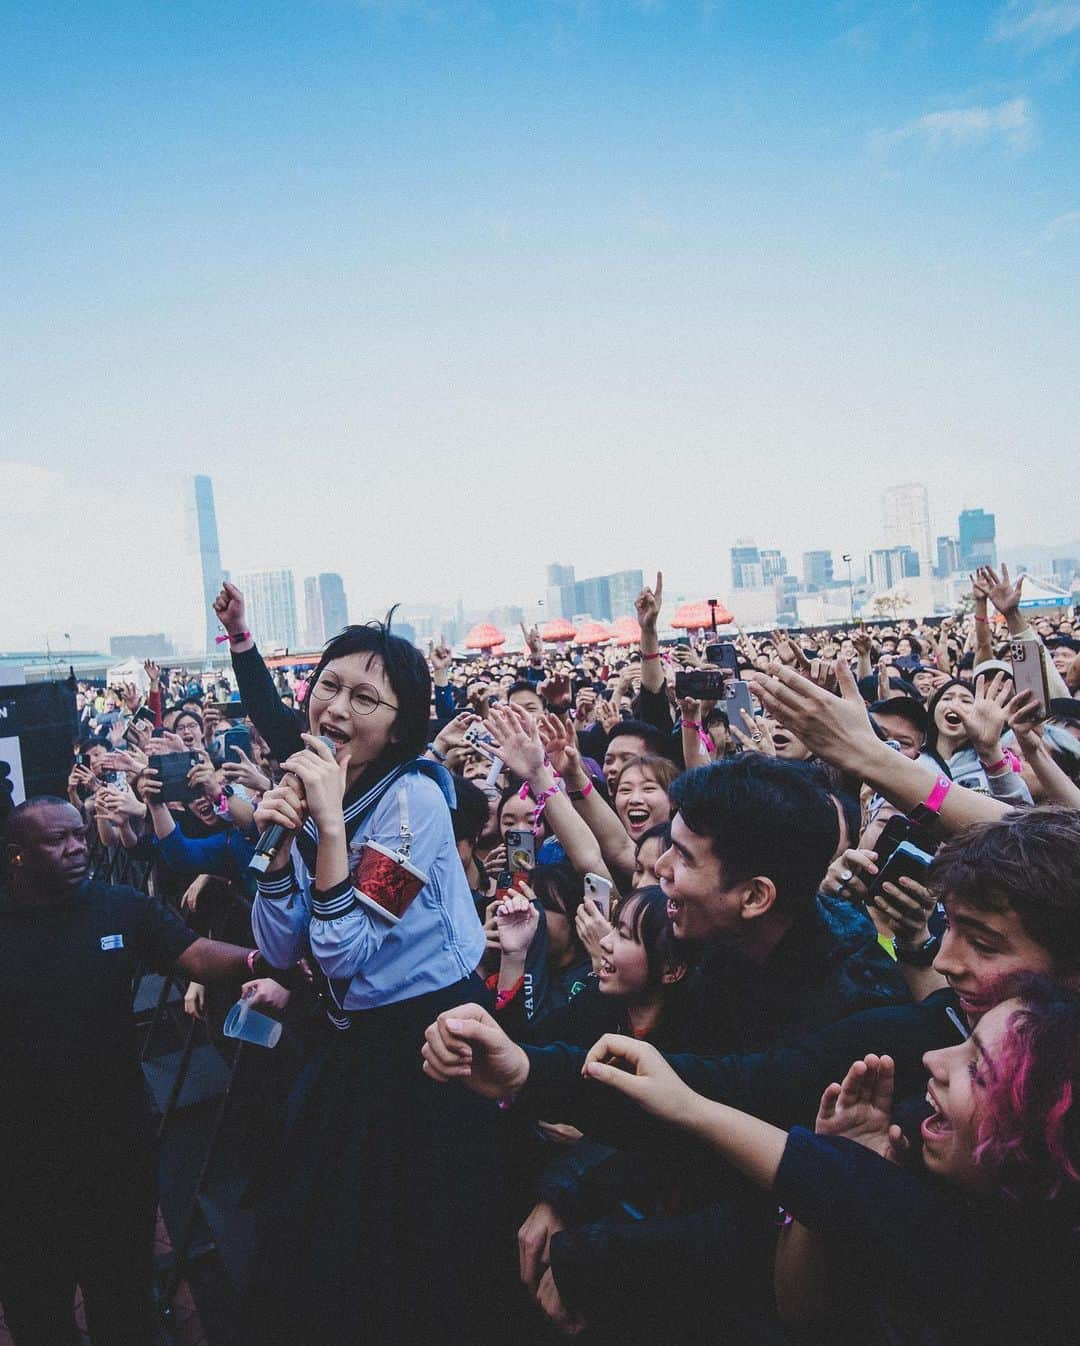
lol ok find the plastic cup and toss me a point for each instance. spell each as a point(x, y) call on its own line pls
point(249, 1025)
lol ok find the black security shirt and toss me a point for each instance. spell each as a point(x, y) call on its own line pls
point(68, 1053)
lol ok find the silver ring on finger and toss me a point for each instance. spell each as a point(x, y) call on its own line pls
point(846, 875)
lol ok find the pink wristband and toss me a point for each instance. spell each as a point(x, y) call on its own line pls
point(934, 800)
point(650, 656)
point(252, 956)
point(240, 635)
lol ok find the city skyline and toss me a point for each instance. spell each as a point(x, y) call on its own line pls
point(432, 288)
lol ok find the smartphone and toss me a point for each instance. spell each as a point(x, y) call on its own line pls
point(172, 769)
point(735, 700)
point(520, 849)
point(723, 654)
point(704, 684)
point(228, 710)
point(82, 759)
point(906, 862)
point(239, 738)
point(1029, 671)
point(118, 780)
point(157, 733)
point(896, 830)
point(599, 889)
point(510, 883)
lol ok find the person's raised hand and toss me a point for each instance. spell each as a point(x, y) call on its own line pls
point(465, 1043)
point(980, 589)
point(1003, 593)
point(534, 1244)
point(168, 742)
point(323, 778)
point(211, 720)
point(518, 739)
point(229, 607)
point(648, 603)
point(81, 778)
point(559, 738)
point(860, 1107)
point(131, 696)
point(246, 773)
point(862, 640)
point(153, 672)
point(592, 926)
point(516, 922)
point(755, 735)
point(1025, 719)
point(849, 876)
point(533, 642)
point(834, 728)
point(585, 705)
point(479, 698)
point(147, 786)
point(130, 760)
point(637, 1070)
point(986, 717)
point(607, 715)
point(440, 656)
point(202, 776)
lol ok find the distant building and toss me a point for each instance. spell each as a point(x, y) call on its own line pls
point(773, 565)
point(746, 568)
point(906, 512)
point(326, 612)
point(948, 557)
point(1065, 568)
point(603, 597)
point(270, 596)
point(140, 647)
point(978, 544)
point(817, 569)
point(203, 559)
point(887, 566)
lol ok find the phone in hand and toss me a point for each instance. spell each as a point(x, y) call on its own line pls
point(735, 700)
point(599, 890)
point(118, 780)
point(906, 862)
point(520, 850)
point(172, 769)
point(237, 740)
point(704, 684)
point(1029, 671)
point(723, 654)
point(228, 710)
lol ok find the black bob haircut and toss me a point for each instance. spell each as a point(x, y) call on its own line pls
point(764, 817)
point(655, 740)
point(406, 671)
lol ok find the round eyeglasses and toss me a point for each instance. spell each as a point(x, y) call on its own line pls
point(363, 698)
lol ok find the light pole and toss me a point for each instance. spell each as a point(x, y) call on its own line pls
point(850, 586)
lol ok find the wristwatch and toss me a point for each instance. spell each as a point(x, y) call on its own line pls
point(921, 955)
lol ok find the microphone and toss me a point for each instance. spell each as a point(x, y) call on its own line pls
point(270, 839)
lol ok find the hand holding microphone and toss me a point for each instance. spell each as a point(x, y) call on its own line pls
point(314, 783)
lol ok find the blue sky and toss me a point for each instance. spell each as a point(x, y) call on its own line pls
point(603, 281)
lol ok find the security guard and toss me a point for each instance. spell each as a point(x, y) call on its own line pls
point(78, 1172)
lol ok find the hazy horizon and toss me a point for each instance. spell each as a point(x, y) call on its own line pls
point(438, 293)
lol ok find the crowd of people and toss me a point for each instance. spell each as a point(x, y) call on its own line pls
point(720, 989)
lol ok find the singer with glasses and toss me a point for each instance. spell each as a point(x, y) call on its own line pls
point(373, 1213)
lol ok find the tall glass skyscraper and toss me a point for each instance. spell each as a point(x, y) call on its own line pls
point(200, 520)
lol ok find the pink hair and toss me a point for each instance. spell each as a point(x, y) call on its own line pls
point(1030, 1135)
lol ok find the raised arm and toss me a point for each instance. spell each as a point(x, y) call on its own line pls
point(648, 605)
point(523, 752)
point(273, 719)
point(837, 729)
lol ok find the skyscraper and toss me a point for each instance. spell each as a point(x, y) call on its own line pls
point(746, 570)
point(889, 565)
point(948, 557)
point(325, 609)
point(271, 607)
point(907, 520)
point(773, 564)
point(559, 600)
point(978, 533)
point(817, 569)
point(200, 528)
